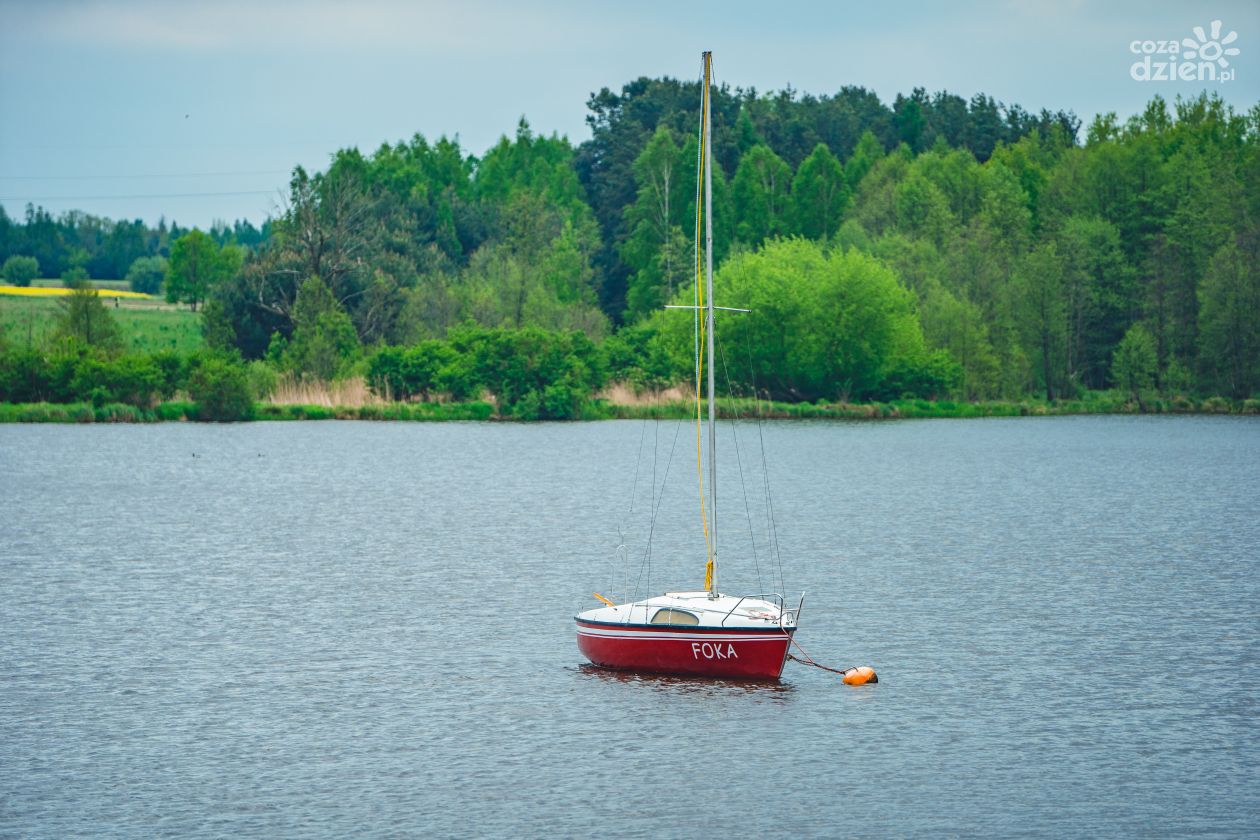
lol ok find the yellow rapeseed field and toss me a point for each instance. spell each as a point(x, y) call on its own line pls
point(44, 291)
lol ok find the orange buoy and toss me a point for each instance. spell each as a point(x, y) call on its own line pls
point(860, 675)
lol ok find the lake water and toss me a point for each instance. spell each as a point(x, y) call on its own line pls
point(353, 629)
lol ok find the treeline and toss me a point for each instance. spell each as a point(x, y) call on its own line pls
point(100, 248)
point(538, 232)
point(791, 126)
point(935, 246)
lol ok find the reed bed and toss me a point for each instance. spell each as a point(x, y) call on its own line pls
point(343, 393)
point(620, 393)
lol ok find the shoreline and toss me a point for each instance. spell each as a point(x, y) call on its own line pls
point(728, 409)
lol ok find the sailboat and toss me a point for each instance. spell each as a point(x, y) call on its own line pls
point(705, 632)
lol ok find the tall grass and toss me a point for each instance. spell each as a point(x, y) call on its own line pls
point(620, 393)
point(344, 393)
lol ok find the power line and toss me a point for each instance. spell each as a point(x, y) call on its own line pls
point(153, 175)
point(21, 198)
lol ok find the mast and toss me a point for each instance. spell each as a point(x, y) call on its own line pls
point(708, 282)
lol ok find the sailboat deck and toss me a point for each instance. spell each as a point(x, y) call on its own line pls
point(698, 610)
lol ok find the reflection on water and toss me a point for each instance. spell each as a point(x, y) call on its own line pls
point(668, 683)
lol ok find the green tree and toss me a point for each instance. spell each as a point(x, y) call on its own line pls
point(332, 228)
point(958, 326)
point(1043, 312)
point(1004, 206)
point(1229, 318)
point(866, 154)
point(537, 271)
point(822, 325)
point(1134, 364)
point(657, 250)
point(20, 270)
point(667, 270)
point(922, 210)
point(724, 213)
point(324, 342)
point(820, 194)
point(957, 176)
point(146, 275)
point(1203, 211)
point(197, 265)
point(75, 277)
point(216, 327)
point(1101, 296)
point(909, 120)
point(875, 205)
point(540, 165)
point(761, 191)
point(85, 319)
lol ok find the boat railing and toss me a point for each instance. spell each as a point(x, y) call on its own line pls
point(773, 597)
point(792, 616)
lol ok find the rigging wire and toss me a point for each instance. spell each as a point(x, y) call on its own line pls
point(739, 461)
point(772, 532)
point(623, 554)
point(645, 568)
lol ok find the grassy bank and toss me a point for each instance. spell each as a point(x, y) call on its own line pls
point(738, 408)
point(88, 413)
point(174, 411)
point(605, 410)
point(391, 411)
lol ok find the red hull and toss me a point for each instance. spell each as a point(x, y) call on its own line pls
point(742, 653)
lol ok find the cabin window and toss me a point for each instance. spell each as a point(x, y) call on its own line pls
point(671, 616)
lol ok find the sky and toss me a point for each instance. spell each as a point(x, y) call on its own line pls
point(198, 111)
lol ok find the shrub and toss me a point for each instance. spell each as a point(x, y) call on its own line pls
point(638, 356)
point(561, 401)
point(146, 274)
point(20, 270)
point(220, 387)
point(526, 407)
point(134, 380)
point(1216, 405)
point(931, 375)
point(174, 411)
point(118, 413)
point(24, 376)
point(518, 366)
point(172, 372)
point(262, 379)
point(420, 371)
